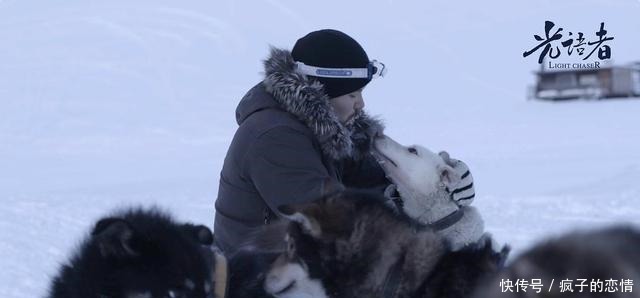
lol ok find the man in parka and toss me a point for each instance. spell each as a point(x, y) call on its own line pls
point(302, 134)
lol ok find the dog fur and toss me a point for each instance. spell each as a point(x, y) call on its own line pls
point(351, 240)
point(423, 179)
point(139, 253)
point(610, 253)
point(247, 271)
point(258, 269)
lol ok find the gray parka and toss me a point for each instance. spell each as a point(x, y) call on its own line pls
point(289, 147)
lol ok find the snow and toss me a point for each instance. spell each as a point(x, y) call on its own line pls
point(115, 103)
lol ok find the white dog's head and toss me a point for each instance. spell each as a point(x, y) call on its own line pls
point(421, 176)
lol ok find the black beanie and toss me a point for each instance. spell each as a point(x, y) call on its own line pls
point(332, 49)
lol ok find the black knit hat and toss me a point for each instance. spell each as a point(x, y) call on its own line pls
point(332, 49)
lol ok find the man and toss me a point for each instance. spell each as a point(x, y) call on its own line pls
point(302, 134)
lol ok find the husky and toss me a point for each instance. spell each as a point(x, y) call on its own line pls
point(261, 253)
point(431, 191)
point(286, 279)
point(583, 258)
point(351, 244)
point(140, 253)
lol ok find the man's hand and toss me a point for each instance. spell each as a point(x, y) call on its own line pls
point(463, 192)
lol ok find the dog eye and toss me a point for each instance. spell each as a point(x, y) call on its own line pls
point(413, 150)
point(291, 246)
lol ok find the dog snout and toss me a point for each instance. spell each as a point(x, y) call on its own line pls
point(274, 282)
point(272, 278)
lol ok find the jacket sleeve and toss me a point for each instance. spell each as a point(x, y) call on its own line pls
point(285, 168)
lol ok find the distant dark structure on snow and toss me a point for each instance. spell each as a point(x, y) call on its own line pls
point(608, 81)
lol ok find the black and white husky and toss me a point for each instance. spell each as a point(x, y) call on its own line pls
point(262, 255)
point(434, 190)
point(351, 244)
point(140, 253)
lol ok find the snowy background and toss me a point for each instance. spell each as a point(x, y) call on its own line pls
point(114, 103)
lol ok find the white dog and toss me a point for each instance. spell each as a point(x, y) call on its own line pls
point(433, 189)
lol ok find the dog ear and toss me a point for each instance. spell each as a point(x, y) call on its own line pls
point(200, 233)
point(114, 237)
point(448, 176)
point(294, 213)
point(492, 251)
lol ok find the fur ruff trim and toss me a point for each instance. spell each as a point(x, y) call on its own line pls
point(305, 98)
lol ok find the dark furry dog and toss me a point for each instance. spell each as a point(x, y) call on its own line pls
point(247, 270)
point(140, 254)
point(581, 257)
point(460, 272)
point(351, 244)
point(260, 254)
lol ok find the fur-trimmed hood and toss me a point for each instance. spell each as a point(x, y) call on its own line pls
point(305, 98)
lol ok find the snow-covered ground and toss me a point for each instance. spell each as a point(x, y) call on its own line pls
point(115, 103)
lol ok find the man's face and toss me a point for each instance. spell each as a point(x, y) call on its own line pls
point(347, 106)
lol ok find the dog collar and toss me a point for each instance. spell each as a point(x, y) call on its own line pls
point(438, 225)
point(447, 221)
point(221, 275)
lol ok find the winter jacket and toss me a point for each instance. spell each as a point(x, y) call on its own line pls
point(289, 147)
